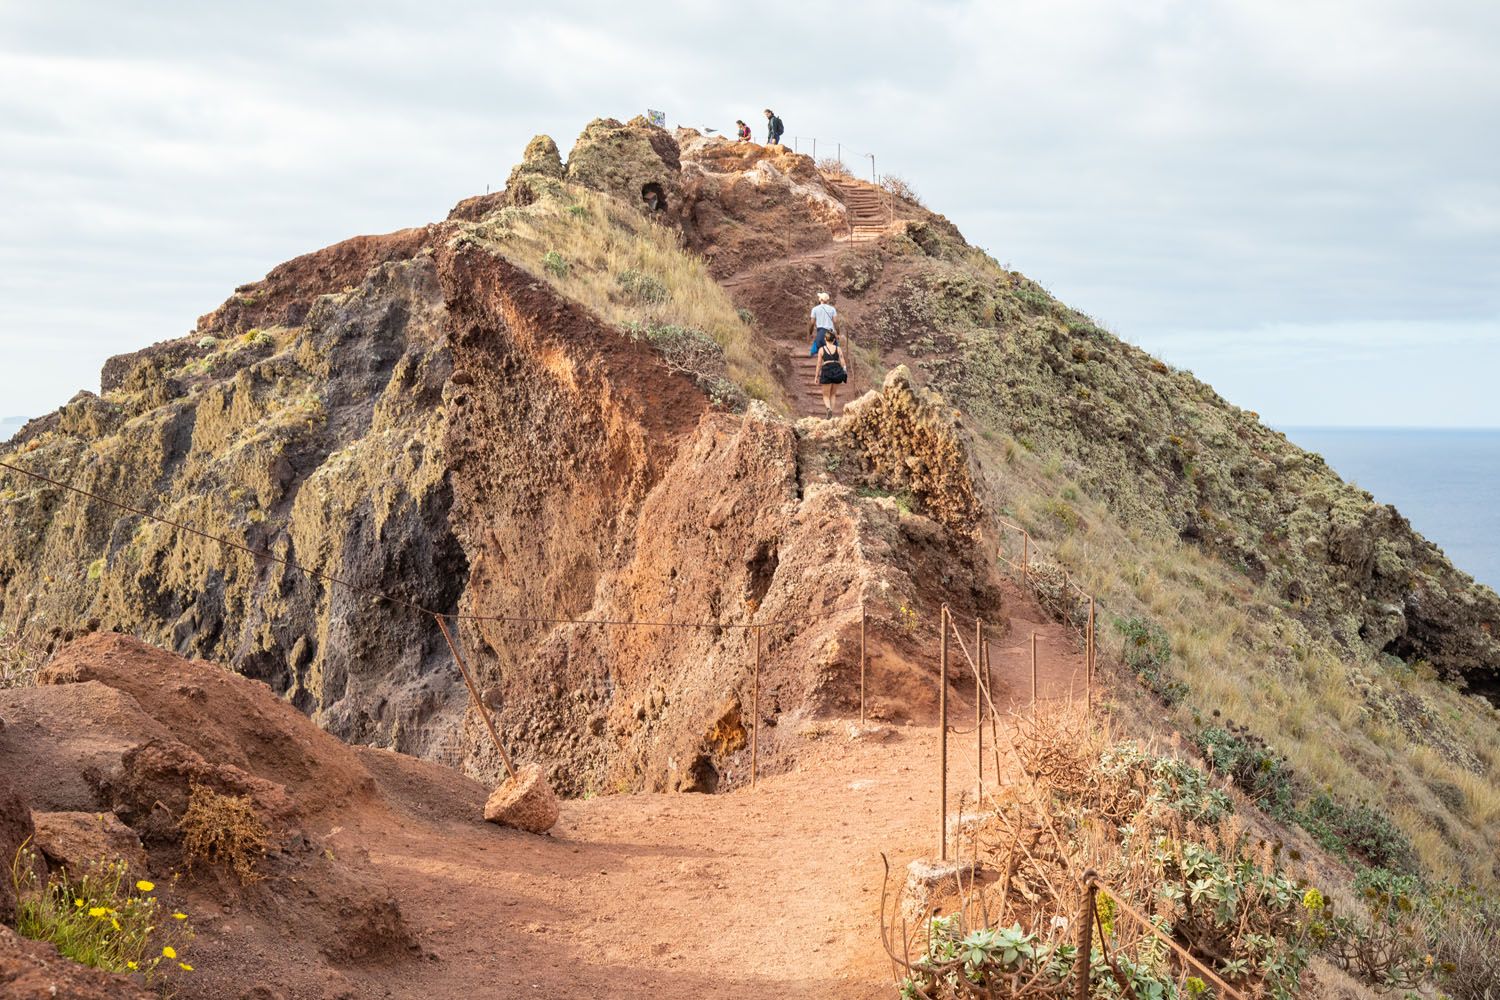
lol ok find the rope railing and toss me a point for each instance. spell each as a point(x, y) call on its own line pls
point(1089, 921)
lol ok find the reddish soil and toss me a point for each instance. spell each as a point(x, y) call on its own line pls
point(385, 883)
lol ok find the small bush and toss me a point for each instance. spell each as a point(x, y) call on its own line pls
point(96, 569)
point(685, 350)
point(102, 919)
point(899, 187)
point(555, 264)
point(1250, 764)
point(834, 167)
point(1147, 652)
point(22, 652)
point(223, 829)
point(643, 288)
point(1358, 832)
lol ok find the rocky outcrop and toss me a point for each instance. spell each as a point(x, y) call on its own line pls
point(33, 970)
point(16, 833)
point(908, 443)
point(75, 842)
point(630, 161)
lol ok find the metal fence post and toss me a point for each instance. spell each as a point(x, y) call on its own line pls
point(1085, 939)
point(1033, 673)
point(862, 620)
point(755, 713)
point(979, 703)
point(1089, 658)
point(1025, 552)
point(484, 714)
point(943, 734)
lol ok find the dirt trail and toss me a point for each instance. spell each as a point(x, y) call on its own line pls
point(770, 892)
point(790, 342)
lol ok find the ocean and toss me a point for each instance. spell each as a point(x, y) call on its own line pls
point(1446, 482)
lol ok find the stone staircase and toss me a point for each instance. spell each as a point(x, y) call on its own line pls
point(869, 207)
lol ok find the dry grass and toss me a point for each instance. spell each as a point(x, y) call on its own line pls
point(583, 242)
point(223, 830)
point(1245, 656)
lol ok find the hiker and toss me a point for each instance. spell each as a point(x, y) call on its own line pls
point(742, 130)
point(774, 128)
point(824, 321)
point(831, 373)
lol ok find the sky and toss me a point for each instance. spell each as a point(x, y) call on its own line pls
point(1297, 201)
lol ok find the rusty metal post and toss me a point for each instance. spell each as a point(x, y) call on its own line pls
point(979, 703)
point(755, 712)
point(862, 620)
point(1025, 552)
point(1085, 939)
point(943, 734)
point(1033, 673)
point(484, 714)
point(1089, 657)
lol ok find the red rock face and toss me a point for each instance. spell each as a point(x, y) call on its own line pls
point(33, 970)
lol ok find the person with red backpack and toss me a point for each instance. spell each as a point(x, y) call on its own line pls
point(774, 128)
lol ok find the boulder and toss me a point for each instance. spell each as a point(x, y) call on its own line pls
point(540, 165)
point(525, 802)
point(77, 841)
point(33, 970)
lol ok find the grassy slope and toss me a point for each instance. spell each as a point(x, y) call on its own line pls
point(1102, 452)
point(582, 242)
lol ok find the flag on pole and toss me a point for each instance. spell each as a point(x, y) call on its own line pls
point(657, 118)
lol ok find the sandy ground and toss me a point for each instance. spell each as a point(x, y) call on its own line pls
point(766, 892)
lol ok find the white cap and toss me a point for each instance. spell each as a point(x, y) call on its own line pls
point(822, 296)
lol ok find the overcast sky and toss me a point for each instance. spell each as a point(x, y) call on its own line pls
point(1299, 201)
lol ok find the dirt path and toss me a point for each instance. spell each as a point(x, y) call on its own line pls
point(790, 342)
point(770, 892)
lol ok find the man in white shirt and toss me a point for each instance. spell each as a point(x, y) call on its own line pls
point(824, 318)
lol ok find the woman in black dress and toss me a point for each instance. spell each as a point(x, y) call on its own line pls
point(831, 373)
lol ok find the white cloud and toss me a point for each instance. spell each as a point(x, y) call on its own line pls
point(1218, 180)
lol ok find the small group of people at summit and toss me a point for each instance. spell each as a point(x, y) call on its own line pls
point(823, 328)
point(774, 129)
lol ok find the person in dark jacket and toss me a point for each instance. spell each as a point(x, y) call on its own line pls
point(774, 128)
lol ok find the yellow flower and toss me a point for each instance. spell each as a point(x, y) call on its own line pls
point(78, 903)
point(179, 916)
point(98, 911)
point(145, 886)
point(185, 967)
point(169, 951)
point(115, 922)
point(131, 966)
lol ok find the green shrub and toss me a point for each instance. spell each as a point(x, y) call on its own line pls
point(1147, 652)
point(555, 264)
point(1171, 783)
point(643, 288)
point(102, 919)
point(1250, 764)
point(1357, 832)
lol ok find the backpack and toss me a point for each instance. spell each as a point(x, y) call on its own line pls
point(777, 129)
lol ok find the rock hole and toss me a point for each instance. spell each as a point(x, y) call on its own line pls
point(654, 197)
point(762, 569)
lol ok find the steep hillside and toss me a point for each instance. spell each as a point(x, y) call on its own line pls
point(567, 402)
point(541, 409)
